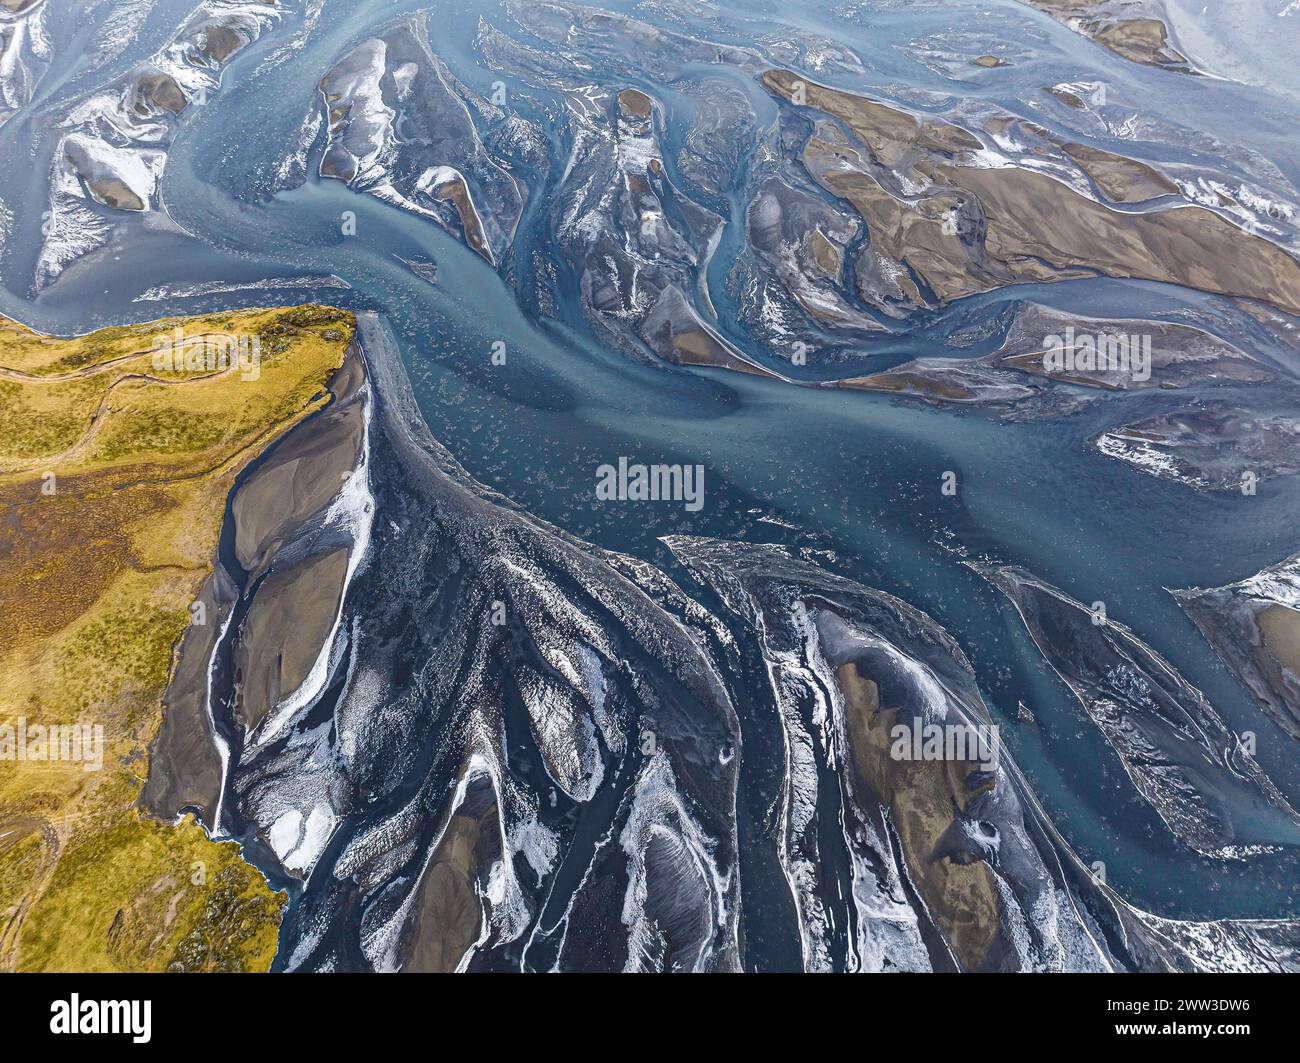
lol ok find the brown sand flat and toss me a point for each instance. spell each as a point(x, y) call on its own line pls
point(635, 102)
point(1280, 626)
point(1138, 39)
point(904, 233)
point(221, 42)
point(699, 348)
point(1030, 214)
point(1121, 180)
point(889, 132)
point(1142, 40)
point(458, 194)
point(448, 915)
point(908, 383)
point(921, 797)
point(1036, 228)
point(161, 90)
point(115, 194)
point(826, 254)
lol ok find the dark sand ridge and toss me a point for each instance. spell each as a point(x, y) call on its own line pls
point(284, 630)
point(447, 917)
point(435, 139)
point(1181, 355)
point(300, 475)
point(1036, 228)
point(1208, 445)
point(295, 480)
point(185, 768)
point(924, 798)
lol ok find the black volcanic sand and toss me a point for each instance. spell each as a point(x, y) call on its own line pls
point(274, 497)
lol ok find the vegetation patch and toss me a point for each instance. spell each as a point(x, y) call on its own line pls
point(114, 476)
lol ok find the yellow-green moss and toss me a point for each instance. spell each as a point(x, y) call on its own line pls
point(99, 577)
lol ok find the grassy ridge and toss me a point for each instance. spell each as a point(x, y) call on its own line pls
point(113, 482)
